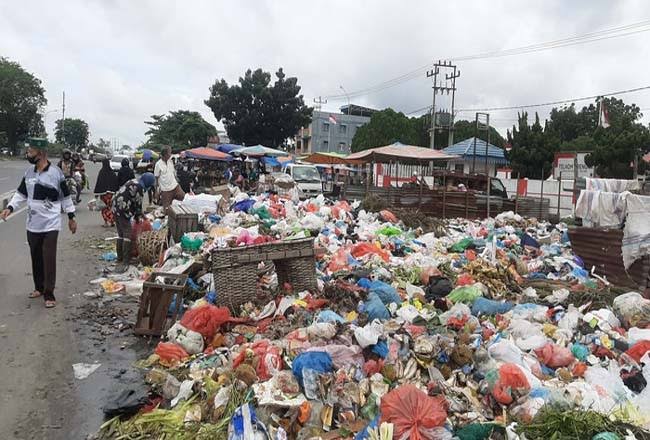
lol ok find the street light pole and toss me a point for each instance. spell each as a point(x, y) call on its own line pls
point(348, 96)
point(45, 119)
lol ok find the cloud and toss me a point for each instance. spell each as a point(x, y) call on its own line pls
point(121, 61)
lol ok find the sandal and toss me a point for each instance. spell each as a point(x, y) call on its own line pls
point(35, 294)
point(50, 304)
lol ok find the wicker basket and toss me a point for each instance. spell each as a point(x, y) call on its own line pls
point(150, 245)
point(235, 269)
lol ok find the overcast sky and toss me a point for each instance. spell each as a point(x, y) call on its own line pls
point(121, 61)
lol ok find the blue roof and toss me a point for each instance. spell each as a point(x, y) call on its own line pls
point(466, 150)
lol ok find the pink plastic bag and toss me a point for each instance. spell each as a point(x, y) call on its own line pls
point(267, 359)
point(363, 248)
point(555, 356)
point(413, 412)
point(511, 378)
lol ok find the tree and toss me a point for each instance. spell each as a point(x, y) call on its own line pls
point(74, 132)
point(180, 129)
point(386, 127)
point(533, 148)
point(256, 112)
point(21, 97)
point(467, 129)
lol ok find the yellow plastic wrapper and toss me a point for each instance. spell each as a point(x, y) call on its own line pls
point(351, 316)
point(110, 286)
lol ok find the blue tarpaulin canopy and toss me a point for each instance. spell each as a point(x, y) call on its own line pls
point(465, 149)
point(227, 148)
point(271, 161)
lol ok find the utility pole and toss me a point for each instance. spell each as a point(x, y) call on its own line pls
point(478, 128)
point(319, 102)
point(63, 120)
point(438, 87)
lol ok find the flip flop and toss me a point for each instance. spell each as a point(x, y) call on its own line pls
point(35, 294)
point(50, 304)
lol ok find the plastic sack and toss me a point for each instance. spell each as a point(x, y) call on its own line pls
point(205, 319)
point(191, 244)
point(170, 353)
point(412, 412)
point(461, 245)
point(464, 294)
point(191, 341)
point(389, 231)
point(319, 361)
point(385, 292)
point(387, 216)
point(632, 309)
point(369, 334)
point(339, 261)
point(244, 425)
point(510, 378)
point(136, 230)
point(580, 351)
point(489, 307)
point(364, 248)
point(243, 206)
point(554, 356)
point(329, 316)
point(267, 358)
point(637, 351)
point(375, 308)
point(464, 280)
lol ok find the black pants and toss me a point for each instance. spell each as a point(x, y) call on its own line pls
point(42, 246)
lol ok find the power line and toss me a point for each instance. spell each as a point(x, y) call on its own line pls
point(545, 104)
point(605, 34)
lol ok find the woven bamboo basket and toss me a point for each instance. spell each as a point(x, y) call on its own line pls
point(150, 245)
point(235, 270)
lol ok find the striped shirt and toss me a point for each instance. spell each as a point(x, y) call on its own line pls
point(46, 194)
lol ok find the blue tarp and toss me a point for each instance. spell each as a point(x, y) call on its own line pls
point(271, 161)
point(227, 148)
point(465, 149)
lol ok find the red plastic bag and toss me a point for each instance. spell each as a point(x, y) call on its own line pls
point(637, 351)
point(555, 356)
point(170, 353)
point(413, 412)
point(510, 378)
point(372, 366)
point(267, 359)
point(464, 280)
point(388, 216)
point(339, 261)
point(363, 248)
point(206, 319)
point(136, 230)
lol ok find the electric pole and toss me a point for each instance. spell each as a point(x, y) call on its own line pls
point(439, 87)
point(319, 102)
point(63, 120)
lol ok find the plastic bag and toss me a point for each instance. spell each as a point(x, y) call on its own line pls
point(461, 245)
point(314, 360)
point(385, 292)
point(387, 216)
point(510, 378)
point(364, 248)
point(243, 206)
point(136, 230)
point(375, 308)
point(637, 351)
point(267, 358)
point(339, 261)
point(205, 319)
point(191, 341)
point(465, 280)
point(489, 307)
point(389, 231)
point(244, 425)
point(632, 309)
point(465, 294)
point(369, 334)
point(555, 356)
point(170, 353)
point(412, 412)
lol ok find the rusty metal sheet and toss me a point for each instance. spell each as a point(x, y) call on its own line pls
point(601, 247)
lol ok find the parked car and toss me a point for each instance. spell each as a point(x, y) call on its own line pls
point(116, 161)
point(306, 177)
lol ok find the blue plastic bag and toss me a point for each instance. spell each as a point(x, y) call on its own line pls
point(380, 349)
point(314, 360)
point(236, 428)
point(244, 205)
point(527, 240)
point(329, 316)
point(363, 434)
point(385, 292)
point(375, 308)
point(489, 307)
point(364, 283)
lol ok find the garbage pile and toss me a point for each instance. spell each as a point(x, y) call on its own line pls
point(484, 329)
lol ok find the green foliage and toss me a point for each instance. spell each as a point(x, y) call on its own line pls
point(388, 126)
point(256, 112)
point(181, 129)
point(74, 132)
point(613, 148)
point(21, 98)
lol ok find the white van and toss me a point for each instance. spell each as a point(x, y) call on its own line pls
point(306, 177)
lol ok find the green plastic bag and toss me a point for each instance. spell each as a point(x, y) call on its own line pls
point(464, 294)
point(461, 245)
point(475, 431)
point(262, 213)
point(389, 231)
point(606, 436)
point(190, 244)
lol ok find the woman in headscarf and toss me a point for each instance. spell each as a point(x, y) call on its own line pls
point(125, 174)
point(106, 186)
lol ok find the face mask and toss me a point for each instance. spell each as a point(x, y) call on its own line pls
point(32, 159)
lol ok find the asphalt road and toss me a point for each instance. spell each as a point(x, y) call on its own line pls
point(39, 396)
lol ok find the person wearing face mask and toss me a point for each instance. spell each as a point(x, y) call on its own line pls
point(46, 193)
point(66, 164)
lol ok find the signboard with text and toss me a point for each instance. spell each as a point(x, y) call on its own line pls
point(563, 166)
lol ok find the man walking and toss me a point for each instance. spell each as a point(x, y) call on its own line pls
point(166, 182)
point(44, 189)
